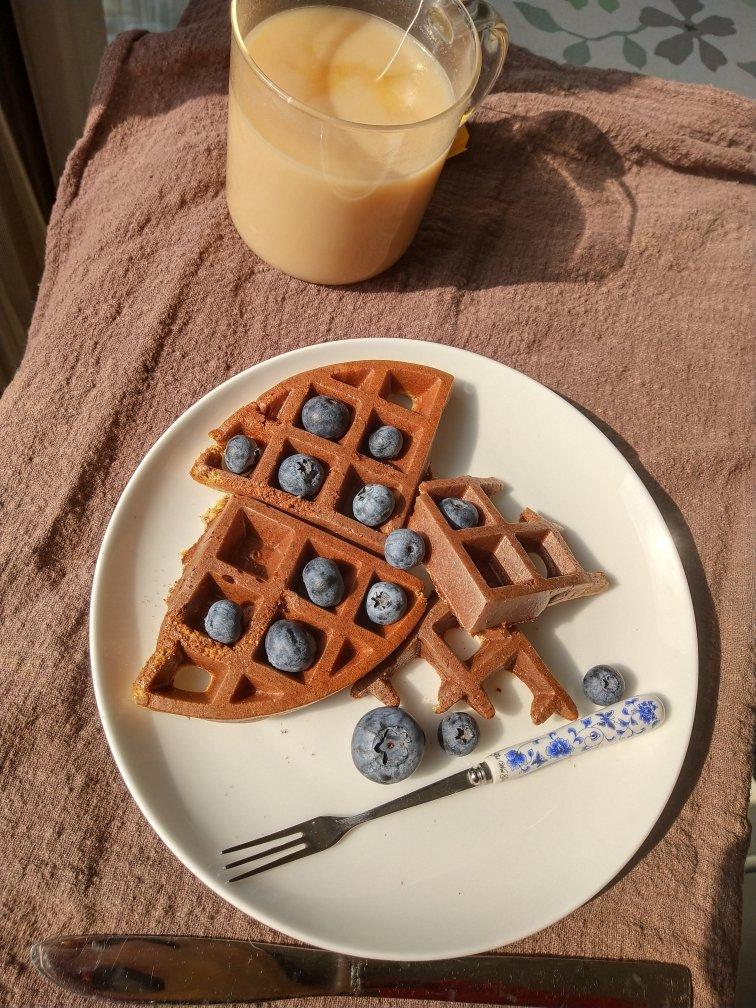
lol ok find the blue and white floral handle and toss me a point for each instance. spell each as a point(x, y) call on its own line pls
point(611, 724)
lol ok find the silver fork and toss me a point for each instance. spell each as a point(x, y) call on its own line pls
point(324, 831)
point(611, 724)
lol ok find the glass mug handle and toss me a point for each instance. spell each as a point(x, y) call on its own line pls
point(494, 44)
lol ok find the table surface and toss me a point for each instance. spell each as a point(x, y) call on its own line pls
point(595, 235)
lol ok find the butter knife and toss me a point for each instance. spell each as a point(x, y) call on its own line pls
point(165, 969)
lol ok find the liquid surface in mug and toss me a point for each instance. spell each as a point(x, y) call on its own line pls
point(350, 65)
point(327, 201)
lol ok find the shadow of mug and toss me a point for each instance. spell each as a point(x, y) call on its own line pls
point(535, 199)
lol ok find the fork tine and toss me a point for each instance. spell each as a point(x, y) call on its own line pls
point(264, 839)
point(274, 864)
point(268, 850)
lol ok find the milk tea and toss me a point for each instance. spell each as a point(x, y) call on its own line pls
point(332, 202)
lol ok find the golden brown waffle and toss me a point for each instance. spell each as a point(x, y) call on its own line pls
point(367, 389)
point(487, 574)
point(253, 556)
point(501, 648)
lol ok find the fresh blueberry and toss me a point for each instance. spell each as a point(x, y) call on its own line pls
point(460, 514)
point(328, 418)
point(458, 733)
point(301, 475)
point(290, 646)
point(387, 745)
point(603, 685)
point(224, 622)
point(385, 443)
point(373, 505)
point(240, 454)
point(385, 603)
point(404, 548)
point(323, 581)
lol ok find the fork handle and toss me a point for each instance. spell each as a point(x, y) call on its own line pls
point(611, 724)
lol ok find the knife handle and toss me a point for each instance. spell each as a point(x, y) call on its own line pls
point(611, 724)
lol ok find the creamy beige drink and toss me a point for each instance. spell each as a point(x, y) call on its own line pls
point(312, 192)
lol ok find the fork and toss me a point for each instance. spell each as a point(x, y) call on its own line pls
point(610, 724)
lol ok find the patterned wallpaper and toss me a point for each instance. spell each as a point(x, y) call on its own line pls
point(699, 41)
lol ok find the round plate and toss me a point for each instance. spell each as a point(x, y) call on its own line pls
point(456, 876)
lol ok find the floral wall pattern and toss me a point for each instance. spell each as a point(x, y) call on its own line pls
point(699, 41)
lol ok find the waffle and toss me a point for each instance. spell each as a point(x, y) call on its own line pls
point(486, 573)
point(253, 556)
point(501, 648)
point(380, 682)
point(367, 388)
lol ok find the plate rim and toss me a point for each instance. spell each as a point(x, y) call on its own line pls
point(370, 344)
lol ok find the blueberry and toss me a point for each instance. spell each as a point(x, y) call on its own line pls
point(404, 548)
point(373, 505)
point(460, 514)
point(328, 418)
point(458, 733)
point(387, 745)
point(290, 646)
point(240, 454)
point(603, 685)
point(224, 622)
point(385, 602)
point(323, 581)
point(301, 475)
point(385, 443)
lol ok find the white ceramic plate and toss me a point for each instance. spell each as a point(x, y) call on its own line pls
point(456, 876)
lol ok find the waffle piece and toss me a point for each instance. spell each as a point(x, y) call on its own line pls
point(254, 556)
point(500, 648)
point(379, 682)
point(486, 573)
point(366, 387)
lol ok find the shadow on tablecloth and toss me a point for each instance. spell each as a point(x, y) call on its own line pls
point(557, 210)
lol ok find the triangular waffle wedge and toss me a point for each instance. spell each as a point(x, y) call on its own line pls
point(487, 573)
point(369, 390)
point(501, 648)
point(253, 556)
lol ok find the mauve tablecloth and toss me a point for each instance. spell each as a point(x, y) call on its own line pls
point(595, 236)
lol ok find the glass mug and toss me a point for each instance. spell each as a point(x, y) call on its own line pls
point(333, 201)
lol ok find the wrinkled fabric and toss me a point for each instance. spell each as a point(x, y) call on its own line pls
point(594, 236)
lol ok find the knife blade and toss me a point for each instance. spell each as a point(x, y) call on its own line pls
point(165, 969)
